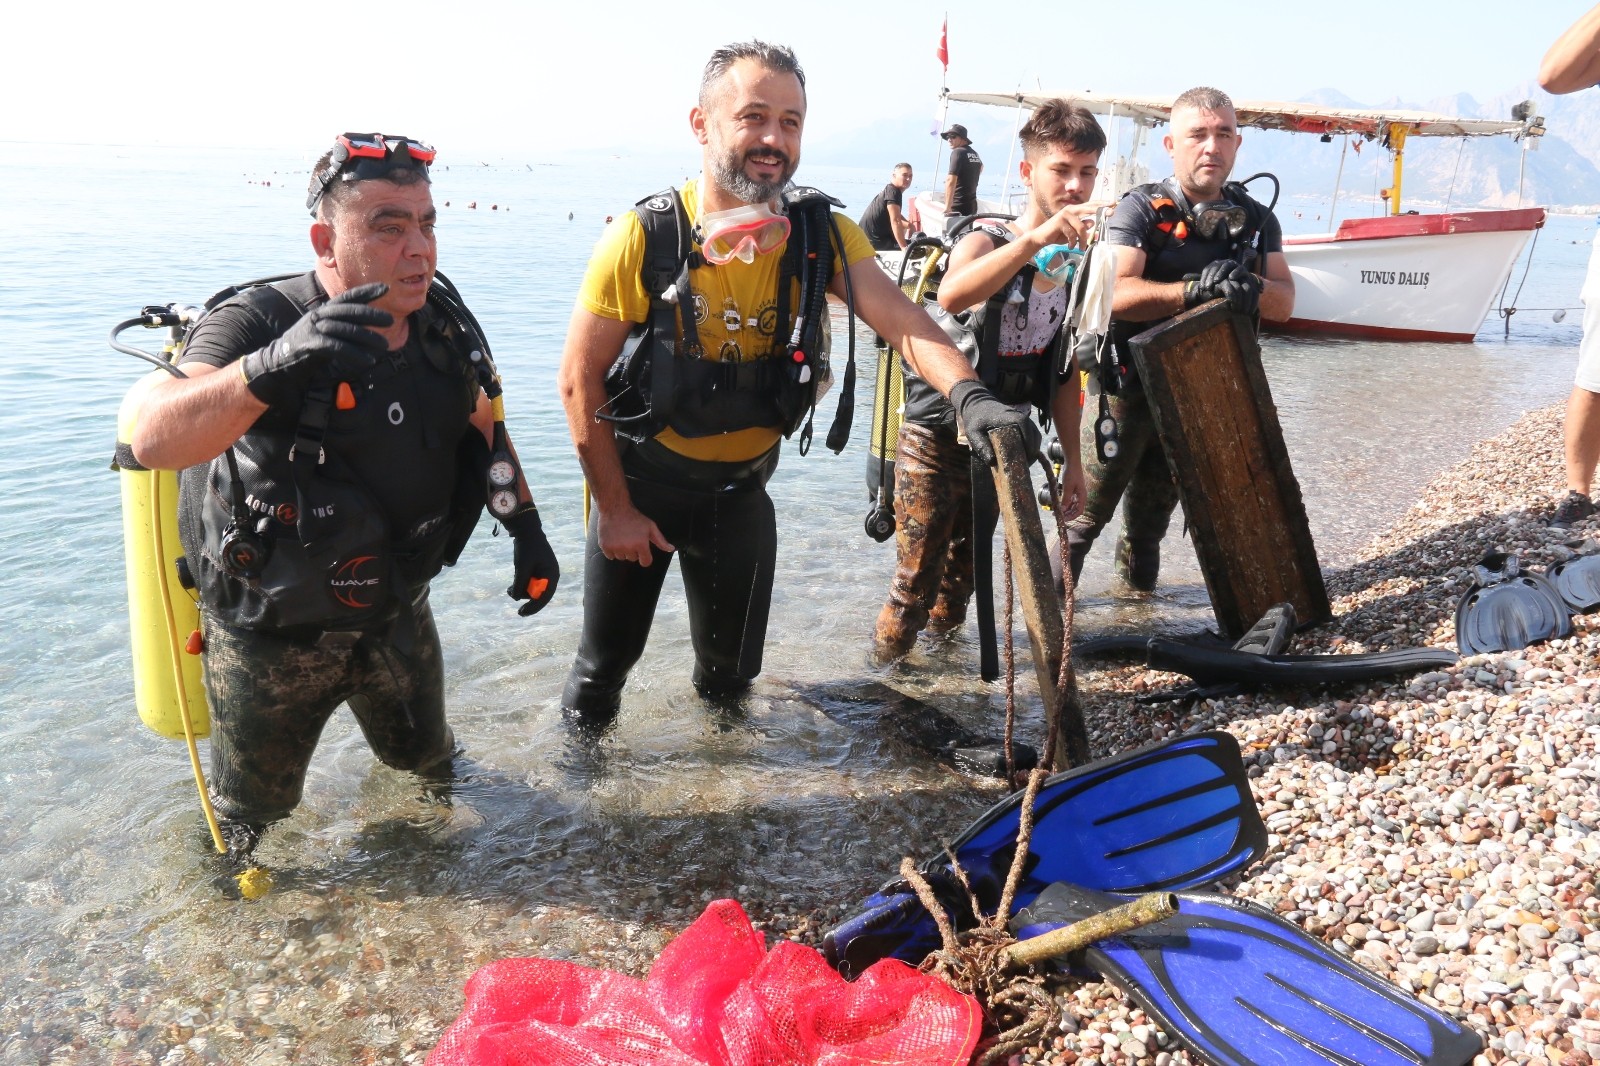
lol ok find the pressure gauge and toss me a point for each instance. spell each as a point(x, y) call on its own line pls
point(502, 503)
point(502, 473)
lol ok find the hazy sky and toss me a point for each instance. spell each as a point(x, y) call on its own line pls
point(524, 80)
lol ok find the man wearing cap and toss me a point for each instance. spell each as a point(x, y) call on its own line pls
point(335, 441)
point(961, 183)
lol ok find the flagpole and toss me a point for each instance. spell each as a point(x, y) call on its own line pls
point(943, 56)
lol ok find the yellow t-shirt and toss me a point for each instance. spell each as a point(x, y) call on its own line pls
point(735, 311)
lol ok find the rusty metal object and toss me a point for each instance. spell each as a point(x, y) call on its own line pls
point(1146, 910)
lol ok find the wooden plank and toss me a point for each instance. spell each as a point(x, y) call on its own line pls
point(1041, 607)
point(1214, 413)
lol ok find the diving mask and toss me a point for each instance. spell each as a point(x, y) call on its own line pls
point(1218, 218)
point(742, 233)
point(1058, 261)
point(366, 156)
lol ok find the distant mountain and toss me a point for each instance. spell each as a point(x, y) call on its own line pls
point(1561, 169)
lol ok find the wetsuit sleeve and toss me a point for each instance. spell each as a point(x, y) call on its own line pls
point(1271, 235)
point(856, 245)
point(1131, 221)
point(227, 333)
point(612, 284)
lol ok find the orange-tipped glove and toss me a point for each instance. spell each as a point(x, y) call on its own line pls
point(537, 570)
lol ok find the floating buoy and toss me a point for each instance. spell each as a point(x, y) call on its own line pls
point(473, 205)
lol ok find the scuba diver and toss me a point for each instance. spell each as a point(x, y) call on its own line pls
point(1004, 296)
point(339, 461)
point(697, 344)
point(1185, 241)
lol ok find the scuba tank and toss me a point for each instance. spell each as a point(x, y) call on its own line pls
point(163, 614)
point(889, 393)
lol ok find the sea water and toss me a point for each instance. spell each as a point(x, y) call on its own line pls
point(107, 894)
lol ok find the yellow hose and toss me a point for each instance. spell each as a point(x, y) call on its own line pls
point(174, 646)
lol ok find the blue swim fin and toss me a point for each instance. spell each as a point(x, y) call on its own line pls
point(1172, 815)
point(1508, 608)
point(1239, 986)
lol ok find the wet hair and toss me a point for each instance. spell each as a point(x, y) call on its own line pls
point(1056, 122)
point(778, 57)
point(1204, 98)
point(339, 190)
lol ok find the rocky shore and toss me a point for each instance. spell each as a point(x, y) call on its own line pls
point(1440, 830)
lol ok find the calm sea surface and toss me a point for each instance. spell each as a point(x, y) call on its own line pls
point(103, 861)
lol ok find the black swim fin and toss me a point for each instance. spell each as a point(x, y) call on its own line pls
point(1243, 671)
point(1269, 636)
point(1577, 582)
point(1239, 986)
point(1508, 608)
point(895, 716)
point(1172, 815)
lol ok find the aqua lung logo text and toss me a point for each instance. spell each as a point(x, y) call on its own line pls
point(357, 583)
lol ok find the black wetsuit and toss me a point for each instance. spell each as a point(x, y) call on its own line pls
point(277, 666)
point(875, 220)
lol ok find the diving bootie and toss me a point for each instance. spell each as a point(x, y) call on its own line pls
point(1578, 582)
point(1507, 609)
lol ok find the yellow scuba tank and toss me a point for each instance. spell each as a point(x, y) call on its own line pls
point(889, 392)
point(162, 614)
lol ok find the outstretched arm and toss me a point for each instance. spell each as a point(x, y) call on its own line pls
point(1573, 62)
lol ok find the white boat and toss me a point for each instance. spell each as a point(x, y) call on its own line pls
point(1400, 276)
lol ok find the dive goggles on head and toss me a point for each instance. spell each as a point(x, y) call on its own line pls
point(742, 233)
point(1218, 218)
point(1057, 261)
point(365, 156)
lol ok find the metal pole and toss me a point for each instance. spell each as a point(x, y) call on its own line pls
point(1333, 208)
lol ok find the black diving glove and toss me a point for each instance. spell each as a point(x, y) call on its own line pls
point(331, 342)
point(537, 571)
point(981, 413)
point(1223, 279)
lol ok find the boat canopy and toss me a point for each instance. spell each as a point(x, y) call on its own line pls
point(1280, 115)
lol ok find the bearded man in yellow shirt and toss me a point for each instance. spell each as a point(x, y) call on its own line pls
point(679, 432)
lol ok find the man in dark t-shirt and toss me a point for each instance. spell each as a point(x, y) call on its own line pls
point(1182, 242)
point(961, 184)
point(884, 221)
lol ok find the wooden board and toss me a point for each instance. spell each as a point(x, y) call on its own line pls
point(1216, 419)
point(1041, 607)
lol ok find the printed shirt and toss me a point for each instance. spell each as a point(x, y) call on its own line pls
point(735, 310)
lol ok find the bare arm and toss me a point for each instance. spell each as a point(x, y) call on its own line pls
point(1573, 61)
point(906, 326)
point(949, 191)
point(974, 274)
point(1136, 299)
point(898, 224)
point(593, 344)
point(1277, 290)
point(184, 421)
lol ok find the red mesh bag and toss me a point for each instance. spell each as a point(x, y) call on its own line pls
point(715, 997)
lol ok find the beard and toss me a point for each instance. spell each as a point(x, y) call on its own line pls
point(727, 170)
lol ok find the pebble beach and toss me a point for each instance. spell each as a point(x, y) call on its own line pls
point(1440, 830)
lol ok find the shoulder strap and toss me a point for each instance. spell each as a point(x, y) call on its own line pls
point(668, 255)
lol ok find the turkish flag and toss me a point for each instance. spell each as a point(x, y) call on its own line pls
point(944, 44)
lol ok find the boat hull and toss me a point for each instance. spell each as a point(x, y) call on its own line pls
point(1405, 277)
